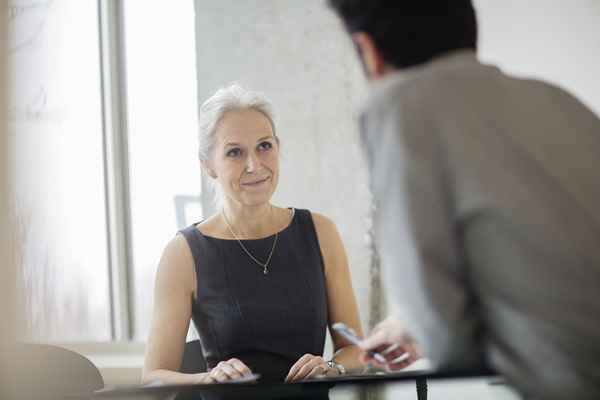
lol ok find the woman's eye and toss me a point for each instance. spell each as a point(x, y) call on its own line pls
point(234, 153)
point(265, 146)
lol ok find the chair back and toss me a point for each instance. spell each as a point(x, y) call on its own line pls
point(52, 372)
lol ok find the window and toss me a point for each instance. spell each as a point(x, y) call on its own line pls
point(56, 124)
point(162, 132)
point(103, 110)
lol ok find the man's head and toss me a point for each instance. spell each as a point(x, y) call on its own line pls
point(397, 34)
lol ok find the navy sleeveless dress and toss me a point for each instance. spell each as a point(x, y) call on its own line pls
point(267, 321)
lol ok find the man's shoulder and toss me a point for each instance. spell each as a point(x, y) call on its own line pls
point(485, 84)
point(422, 88)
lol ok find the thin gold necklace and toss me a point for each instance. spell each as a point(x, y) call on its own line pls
point(264, 265)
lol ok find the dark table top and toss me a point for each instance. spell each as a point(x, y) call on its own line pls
point(313, 389)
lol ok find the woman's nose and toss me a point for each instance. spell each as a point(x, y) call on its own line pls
point(252, 163)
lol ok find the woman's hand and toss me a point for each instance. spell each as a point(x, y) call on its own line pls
point(308, 366)
point(390, 339)
point(225, 371)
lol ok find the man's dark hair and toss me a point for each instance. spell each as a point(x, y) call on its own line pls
point(411, 32)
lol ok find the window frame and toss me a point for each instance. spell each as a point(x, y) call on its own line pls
point(116, 167)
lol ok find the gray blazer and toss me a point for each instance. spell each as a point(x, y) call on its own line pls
point(487, 192)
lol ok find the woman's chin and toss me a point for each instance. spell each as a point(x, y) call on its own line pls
point(253, 199)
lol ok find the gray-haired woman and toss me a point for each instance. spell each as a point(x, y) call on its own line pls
point(260, 282)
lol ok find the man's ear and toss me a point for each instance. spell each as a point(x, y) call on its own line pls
point(372, 58)
point(205, 165)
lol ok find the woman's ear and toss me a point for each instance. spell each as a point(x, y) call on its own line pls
point(205, 165)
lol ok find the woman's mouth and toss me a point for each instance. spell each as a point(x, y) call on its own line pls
point(256, 182)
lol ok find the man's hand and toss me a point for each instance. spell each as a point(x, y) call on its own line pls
point(390, 339)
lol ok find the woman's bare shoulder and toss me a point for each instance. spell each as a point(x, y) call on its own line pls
point(177, 262)
point(324, 225)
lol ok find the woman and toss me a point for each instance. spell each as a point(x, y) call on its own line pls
point(260, 282)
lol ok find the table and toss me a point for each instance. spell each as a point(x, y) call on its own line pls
point(318, 389)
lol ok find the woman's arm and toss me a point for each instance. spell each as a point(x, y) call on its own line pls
point(173, 290)
point(342, 305)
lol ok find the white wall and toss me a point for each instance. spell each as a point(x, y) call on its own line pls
point(554, 40)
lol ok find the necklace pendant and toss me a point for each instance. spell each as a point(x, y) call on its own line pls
point(266, 264)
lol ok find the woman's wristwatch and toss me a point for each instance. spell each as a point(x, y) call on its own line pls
point(339, 368)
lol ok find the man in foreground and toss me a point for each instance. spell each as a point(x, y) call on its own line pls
point(487, 192)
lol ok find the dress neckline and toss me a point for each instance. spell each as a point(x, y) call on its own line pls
point(251, 240)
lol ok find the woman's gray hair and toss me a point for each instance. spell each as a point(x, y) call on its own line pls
point(232, 97)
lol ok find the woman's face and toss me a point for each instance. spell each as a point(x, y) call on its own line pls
point(245, 159)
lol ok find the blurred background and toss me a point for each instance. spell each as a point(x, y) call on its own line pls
point(101, 140)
